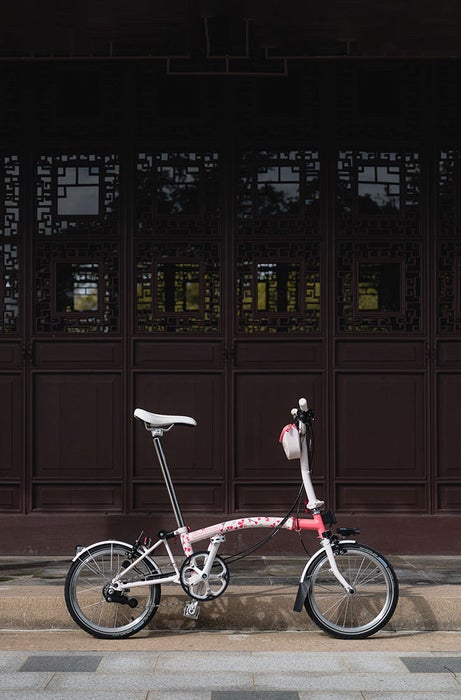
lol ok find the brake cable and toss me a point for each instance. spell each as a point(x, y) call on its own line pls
point(246, 552)
point(296, 504)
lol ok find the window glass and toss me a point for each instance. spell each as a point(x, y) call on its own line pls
point(77, 287)
point(379, 287)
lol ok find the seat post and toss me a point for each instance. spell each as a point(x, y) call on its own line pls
point(156, 434)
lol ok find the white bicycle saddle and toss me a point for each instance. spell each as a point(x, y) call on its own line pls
point(159, 420)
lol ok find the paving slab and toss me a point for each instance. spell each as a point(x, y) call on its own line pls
point(222, 675)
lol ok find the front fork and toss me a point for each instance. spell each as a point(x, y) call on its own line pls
point(304, 584)
point(326, 544)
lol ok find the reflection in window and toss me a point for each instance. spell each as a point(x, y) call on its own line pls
point(278, 287)
point(77, 287)
point(9, 288)
point(175, 184)
point(178, 287)
point(275, 296)
point(278, 190)
point(458, 301)
point(178, 189)
point(275, 183)
point(378, 184)
point(78, 191)
point(378, 189)
point(379, 287)
point(9, 195)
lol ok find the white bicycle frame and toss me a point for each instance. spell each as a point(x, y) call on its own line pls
point(217, 533)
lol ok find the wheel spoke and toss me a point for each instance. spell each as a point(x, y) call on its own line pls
point(86, 586)
point(362, 612)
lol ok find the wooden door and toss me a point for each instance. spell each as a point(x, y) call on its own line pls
point(76, 410)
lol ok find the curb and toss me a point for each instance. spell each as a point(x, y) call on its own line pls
point(245, 608)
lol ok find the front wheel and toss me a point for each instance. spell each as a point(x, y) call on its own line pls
point(87, 592)
point(351, 615)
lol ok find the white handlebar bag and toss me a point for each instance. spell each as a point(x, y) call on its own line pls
point(289, 437)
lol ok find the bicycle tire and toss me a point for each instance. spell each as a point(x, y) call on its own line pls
point(357, 615)
point(94, 568)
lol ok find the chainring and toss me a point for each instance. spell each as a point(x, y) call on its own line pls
point(197, 584)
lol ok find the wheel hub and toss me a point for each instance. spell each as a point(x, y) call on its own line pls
point(113, 596)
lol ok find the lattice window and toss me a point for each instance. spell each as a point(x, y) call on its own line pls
point(9, 195)
point(449, 287)
point(9, 287)
point(449, 192)
point(76, 287)
point(278, 288)
point(178, 288)
point(176, 185)
point(277, 191)
point(9, 250)
point(379, 287)
point(77, 194)
point(378, 192)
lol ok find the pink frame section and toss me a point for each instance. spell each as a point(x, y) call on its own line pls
point(188, 538)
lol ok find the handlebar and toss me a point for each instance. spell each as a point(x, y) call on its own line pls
point(304, 414)
point(303, 405)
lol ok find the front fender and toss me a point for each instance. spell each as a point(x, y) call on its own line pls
point(304, 585)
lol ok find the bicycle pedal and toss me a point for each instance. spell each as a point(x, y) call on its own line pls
point(192, 609)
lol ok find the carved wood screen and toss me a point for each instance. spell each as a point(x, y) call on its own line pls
point(219, 250)
point(11, 349)
point(380, 383)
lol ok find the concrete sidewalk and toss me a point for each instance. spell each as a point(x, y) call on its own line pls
point(290, 674)
point(260, 596)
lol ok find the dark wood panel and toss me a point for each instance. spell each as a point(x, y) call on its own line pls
point(11, 449)
point(77, 429)
point(278, 354)
point(360, 354)
point(448, 425)
point(77, 497)
point(178, 354)
point(263, 404)
point(257, 499)
point(10, 497)
point(77, 354)
point(192, 497)
point(449, 497)
point(192, 452)
point(10, 355)
point(449, 354)
point(380, 426)
point(372, 498)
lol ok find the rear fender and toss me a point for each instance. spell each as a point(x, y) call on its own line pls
point(79, 550)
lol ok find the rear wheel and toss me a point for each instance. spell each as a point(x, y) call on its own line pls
point(90, 601)
point(352, 615)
